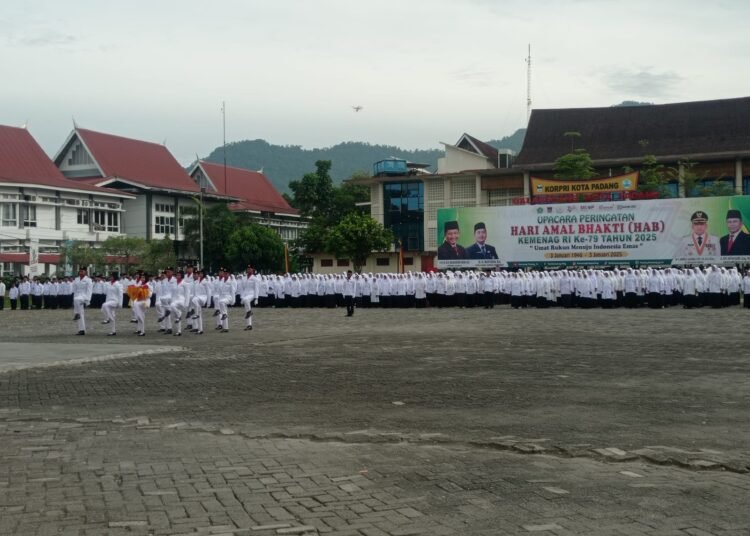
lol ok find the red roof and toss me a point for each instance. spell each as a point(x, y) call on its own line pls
point(254, 188)
point(22, 160)
point(146, 163)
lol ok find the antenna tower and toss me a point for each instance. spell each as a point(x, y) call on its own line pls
point(528, 86)
point(224, 142)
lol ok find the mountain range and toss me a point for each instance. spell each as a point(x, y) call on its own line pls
point(284, 163)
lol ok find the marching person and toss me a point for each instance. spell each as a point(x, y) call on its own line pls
point(140, 292)
point(179, 304)
point(249, 294)
point(112, 302)
point(82, 288)
point(167, 290)
point(226, 290)
point(2, 295)
point(201, 298)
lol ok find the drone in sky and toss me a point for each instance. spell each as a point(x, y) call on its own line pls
point(357, 108)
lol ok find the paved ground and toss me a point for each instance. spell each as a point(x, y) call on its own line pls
point(392, 422)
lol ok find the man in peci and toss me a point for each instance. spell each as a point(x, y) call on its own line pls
point(450, 249)
point(480, 249)
point(737, 241)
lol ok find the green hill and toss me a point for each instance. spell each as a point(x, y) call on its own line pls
point(284, 163)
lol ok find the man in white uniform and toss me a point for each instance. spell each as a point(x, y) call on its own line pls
point(248, 289)
point(112, 302)
point(82, 287)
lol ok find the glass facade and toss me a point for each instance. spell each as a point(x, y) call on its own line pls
point(403, 204)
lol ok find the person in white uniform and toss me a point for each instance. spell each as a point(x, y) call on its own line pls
point(82, 287)
point(112, 302)
point(248, 289)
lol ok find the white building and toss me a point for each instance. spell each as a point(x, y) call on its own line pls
point(162, 193)
point(257, 197)
point(41, 210)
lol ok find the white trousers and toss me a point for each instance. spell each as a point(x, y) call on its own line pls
point(139, 310)
point(247, 301)
point(199, 302)
point(178, 308)
point(108, 309)
point(79, 308)
point(224, 303)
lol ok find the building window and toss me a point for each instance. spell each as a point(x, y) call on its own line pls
point(163, 207)
point(106, 221)
point(746, 185)
point(503, 197)
point(83, 216)
point(9, 215)
point(464, 193)
point(342, 262)
point(404, 213)
point(187, 213)
point(326, 263)
point(383, 261)
point(164, 225)
point(28, 215)
point(408, 261)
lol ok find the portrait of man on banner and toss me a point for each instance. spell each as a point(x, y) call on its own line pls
point(450, 248)
point(736, 241)
point(699, 243)
point(480, 249)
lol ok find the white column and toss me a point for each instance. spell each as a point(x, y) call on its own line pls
point(526, 184)
point(681, 180)
point(738, 176)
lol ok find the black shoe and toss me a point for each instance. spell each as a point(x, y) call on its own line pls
point(178, 334)
point(111, 334)
point(76, 317)
point(81, 333)
point(225, 331)
point(162, 330)
point(224, 316)
point(191, 312)
point(168, 332)
point(141, 334)
point(163, 318)
point(216, 312)
point(199, 333)
point(195, 317)
point(248, 328)
point(106, 321)
point(248, 314)
point(178, 319)
point(133, 321)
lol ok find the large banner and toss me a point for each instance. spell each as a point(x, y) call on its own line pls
point(706, 230)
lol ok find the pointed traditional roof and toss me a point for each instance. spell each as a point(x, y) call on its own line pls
point(480, 147)
point(702, 129)
point(137, 162)
point(252, 187)
point(23, 161)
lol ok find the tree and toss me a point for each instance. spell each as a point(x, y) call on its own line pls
point(77, 254)
point(158, 254)
point(255, 245)
point(654, 176)
point(694, 185)
point(575, 165)
point(128, 248)
point(355, 237)
point(313, 194)
point(218, 224)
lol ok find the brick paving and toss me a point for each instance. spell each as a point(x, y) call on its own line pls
point(388, 423)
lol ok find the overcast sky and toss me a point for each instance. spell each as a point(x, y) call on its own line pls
point(425, 71)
